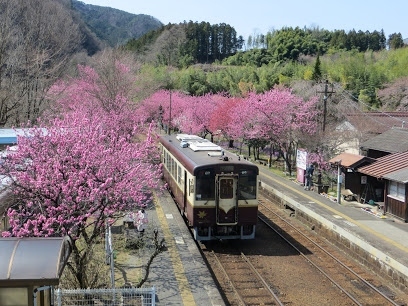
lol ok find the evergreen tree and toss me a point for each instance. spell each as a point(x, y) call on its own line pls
point(383, 40)
point(317, 72)
point(395, 41)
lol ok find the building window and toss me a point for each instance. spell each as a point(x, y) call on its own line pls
point(396, 190)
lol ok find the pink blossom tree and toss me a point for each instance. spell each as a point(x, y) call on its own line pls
point(164, 106)
point(74, 173)
point(278, 116)
point(197, 113)
point(221, 117)
point(188, 114)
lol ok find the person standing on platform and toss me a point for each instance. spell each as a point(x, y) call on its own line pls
point(309, 177)
point(141, 221)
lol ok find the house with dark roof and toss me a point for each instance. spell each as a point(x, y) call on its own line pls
point(350, 163)
point(363, 126)
point(375, 123)
point(386, 183)
point(379, 174)
point(394, 140)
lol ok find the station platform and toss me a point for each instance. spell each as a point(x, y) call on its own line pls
point(377, 240)
point(179, 274)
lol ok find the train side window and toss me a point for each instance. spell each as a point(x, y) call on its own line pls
point(169, 161)
point(247, 185)
point(205, 185)
point(191, 186)
point(178, 174)
point(173, 167)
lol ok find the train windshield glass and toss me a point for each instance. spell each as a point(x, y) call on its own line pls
point(226, 188)
point(247, 184)
point(205, 189)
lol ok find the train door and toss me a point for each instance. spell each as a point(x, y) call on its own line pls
point(185, 192)
point(227, 201)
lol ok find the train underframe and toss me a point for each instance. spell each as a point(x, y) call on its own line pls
point(224, 232)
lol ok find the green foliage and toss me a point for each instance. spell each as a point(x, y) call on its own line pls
point(141, 44)
point(361, 74)
point(253, 57)
point(193, 81)
point(207, 43)
point(317, 72)
point(293, 54)
point(395, 41)
point(393, 63)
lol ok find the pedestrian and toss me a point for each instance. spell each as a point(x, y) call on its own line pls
point(141, 221)
point(309, 176)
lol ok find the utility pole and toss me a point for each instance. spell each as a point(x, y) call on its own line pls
point(110, 260)
point(169, 129)
point(327, 94)
point(339, 181)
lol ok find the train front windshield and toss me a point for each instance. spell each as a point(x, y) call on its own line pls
point(205, 188)
point(205, 184)
point(247, 184)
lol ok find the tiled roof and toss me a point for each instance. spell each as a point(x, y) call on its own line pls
point(349, 160)
point(398, 176)
point(377, 122)
point(386, 165)
point(392, 141)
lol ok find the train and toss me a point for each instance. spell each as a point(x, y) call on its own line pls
point(215, 190)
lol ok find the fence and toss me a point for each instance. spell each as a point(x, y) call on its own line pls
point(105, 297)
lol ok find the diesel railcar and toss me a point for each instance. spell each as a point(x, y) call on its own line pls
point(215, 190)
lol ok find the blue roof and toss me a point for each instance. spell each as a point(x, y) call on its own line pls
point(9, 136)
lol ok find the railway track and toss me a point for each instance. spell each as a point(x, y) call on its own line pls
point(287, 264)
point(245, 281)
point(361, 287)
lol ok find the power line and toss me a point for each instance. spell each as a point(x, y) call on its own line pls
point(367, 105)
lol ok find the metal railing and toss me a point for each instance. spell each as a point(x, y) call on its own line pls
point(105, 297)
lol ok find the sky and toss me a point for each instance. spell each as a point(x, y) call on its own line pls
point(260, 16)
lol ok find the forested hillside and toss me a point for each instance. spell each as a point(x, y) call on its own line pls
point(193, 57)
point(365, 64)
point(114, 26)
point(184, 44)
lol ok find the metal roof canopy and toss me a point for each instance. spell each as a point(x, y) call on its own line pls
point(33, 261)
